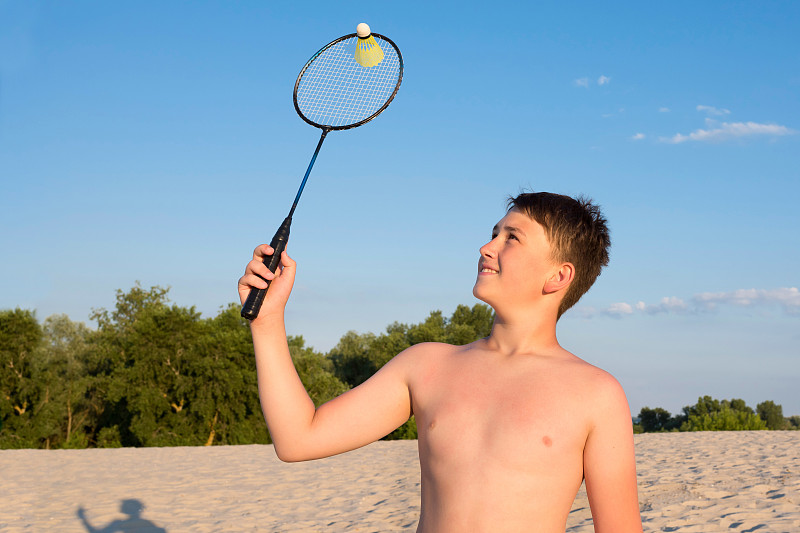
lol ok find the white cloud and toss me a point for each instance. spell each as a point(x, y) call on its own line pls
point(711, 110)
point(663, 110)
point(584, 82)
point(730, 130)
point(618, 309)
point(786, 298)
point(638, 137)
point(669, 304)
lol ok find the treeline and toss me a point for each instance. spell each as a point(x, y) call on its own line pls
point(156, 374)
point(709, 414)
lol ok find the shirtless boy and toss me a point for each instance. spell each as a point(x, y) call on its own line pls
point(508, 425)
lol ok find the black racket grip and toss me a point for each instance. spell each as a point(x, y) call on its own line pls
point(256, 297)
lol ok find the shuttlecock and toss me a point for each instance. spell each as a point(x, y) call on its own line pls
point(368, 53)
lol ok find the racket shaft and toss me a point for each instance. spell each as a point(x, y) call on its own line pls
point(256, 297)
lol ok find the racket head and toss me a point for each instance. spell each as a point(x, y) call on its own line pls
point(334, 92)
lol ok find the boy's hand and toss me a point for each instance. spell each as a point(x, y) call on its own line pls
point(280, 283)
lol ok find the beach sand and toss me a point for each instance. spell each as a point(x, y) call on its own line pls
point(688, 482)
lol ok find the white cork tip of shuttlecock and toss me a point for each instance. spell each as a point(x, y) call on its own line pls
point(362, 30)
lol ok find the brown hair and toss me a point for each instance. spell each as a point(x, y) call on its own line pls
point(577, 232)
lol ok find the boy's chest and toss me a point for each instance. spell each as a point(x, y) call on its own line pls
point(525, 421)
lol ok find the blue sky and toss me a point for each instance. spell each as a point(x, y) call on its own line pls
point(157, 142)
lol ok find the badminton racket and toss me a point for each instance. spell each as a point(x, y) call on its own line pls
point(339, 88)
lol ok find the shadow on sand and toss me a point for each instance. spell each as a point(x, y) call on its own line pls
point(134, 523)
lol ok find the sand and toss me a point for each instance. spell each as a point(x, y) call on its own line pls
point(688, 482)
point(740, 481)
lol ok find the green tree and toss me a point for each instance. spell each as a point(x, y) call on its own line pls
point(469, 324)
point(738, 404)
point(156, 381)
point(653, 420)
point(165, 376)
point(771, 414)
point(225, 388)
point(726, 419)
point(432, 329)
point(20, 386)
point(353, 358)
point(714, 415)
point(66, 411)
point(704, 405)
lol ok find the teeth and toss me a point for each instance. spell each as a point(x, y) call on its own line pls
point(488, 270)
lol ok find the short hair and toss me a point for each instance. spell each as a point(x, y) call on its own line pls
point(577, 232)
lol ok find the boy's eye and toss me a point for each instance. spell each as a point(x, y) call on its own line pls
point(512, 236)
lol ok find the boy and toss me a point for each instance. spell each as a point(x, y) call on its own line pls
point(508, 425)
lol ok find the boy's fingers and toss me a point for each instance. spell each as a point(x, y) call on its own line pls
point(287, 261)
point(251, 280)
point(257, 266)
point(262, 251)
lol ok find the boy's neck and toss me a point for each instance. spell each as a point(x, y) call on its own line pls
point(524, 333)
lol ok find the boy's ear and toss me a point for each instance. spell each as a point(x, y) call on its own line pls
point(560, 279)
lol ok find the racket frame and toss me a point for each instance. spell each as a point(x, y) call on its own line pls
point(360, 122)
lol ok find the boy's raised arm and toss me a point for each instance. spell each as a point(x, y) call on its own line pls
point(609, 464)
point(298, 430)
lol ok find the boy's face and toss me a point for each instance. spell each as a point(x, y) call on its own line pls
point(515, 264)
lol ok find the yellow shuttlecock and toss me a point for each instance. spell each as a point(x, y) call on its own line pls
point(368, 53)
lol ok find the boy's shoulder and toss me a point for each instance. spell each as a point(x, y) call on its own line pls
point(424, 349)
point(595, 379)
point(602, 392)
point(592, 373)
point(424, 352)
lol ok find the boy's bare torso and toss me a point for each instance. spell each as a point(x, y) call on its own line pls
point(508, 426)
point(501, 438)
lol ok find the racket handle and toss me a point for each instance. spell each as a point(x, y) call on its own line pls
point(256, 297)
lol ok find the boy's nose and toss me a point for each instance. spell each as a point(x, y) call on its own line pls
point(487, 250)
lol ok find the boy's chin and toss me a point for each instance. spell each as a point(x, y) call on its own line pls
point(477, 293)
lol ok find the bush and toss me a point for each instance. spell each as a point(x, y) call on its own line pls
point(709, 414)
point(771, 414)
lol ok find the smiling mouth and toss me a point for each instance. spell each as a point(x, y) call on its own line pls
point(486, 270)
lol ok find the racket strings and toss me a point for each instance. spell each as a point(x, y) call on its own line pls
point(336, 91)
